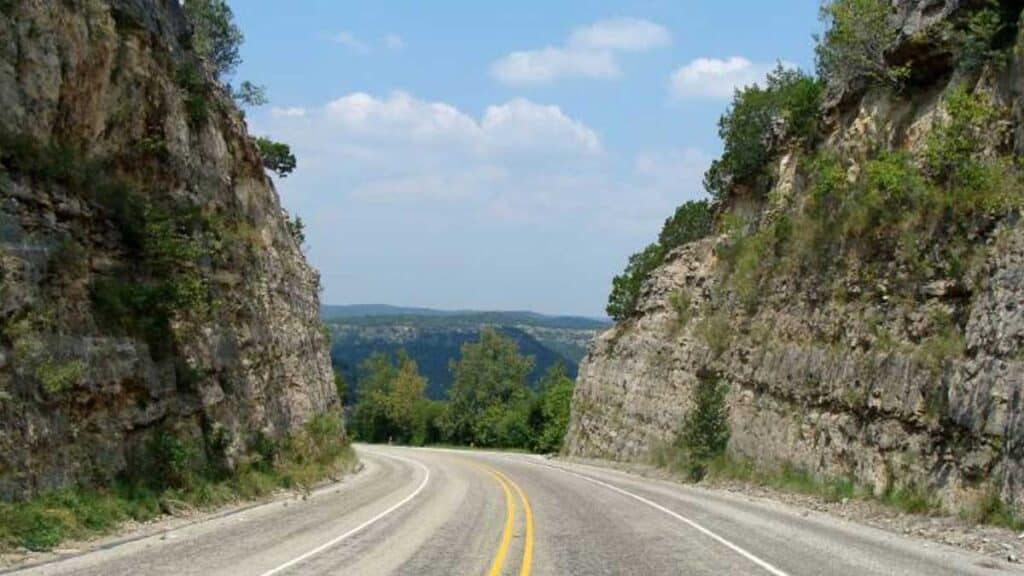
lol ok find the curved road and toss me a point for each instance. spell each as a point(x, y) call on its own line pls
point(439, 512)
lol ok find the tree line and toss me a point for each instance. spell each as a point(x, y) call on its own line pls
point(489, 404)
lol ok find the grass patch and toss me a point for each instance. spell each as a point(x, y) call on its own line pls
point(716, 331)
point(681, 303)
point(793, 479)
point(990, 509)
point(176, 477)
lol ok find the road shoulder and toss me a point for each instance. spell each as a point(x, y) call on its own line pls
point(995, 542)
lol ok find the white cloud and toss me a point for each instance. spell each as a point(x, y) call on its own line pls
point(712, 78)
point(515, 125)
point(549, 63)
point(394, 42)
point(590, 52)
point(521, 123)
point(349, 40)
point(625, 34)
point(290, 112)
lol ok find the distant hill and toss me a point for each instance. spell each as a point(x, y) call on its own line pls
point(434, 337)
point(382, 313)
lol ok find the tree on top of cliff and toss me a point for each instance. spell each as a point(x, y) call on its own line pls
point(786, 109)
point(215, 37)
point(853, 48)
point(217, 40)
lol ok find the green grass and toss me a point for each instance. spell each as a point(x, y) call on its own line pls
point(990, 509)
point(787, 478)
point(793, 479)
point(316, 453)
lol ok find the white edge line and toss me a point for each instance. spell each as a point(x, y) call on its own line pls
point(362, 526)
point(734, 547)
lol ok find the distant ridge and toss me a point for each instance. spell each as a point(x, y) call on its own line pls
point(373, 313)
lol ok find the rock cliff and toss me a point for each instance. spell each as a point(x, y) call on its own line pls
point(149, 280)
point(894, 376)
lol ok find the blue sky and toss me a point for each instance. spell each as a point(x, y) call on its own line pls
point(493, 155)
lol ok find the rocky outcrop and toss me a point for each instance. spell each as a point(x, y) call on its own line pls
point(149, 281)
point(837, 381)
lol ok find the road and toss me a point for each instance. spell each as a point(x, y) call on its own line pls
point(439, 512)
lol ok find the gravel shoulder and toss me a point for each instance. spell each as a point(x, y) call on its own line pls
point(993, 541)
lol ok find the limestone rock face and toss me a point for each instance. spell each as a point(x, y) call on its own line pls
point(810, 383)
point(149, 281)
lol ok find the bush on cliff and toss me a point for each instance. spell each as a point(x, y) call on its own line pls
point(705, 431)
point(786, 109)
point(691, 221)
point(854, 44)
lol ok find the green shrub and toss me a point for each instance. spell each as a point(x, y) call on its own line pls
point(692, 221)
point(956, 142)
point(748, 264)
point(276, 156)
point(172, 462)
point(195, 92)
point(297, 228)
point(681, 303)
point(215, 36)
point(705, 431)
point(749, 127)
point(912, 499)
point(944, 344)
point(715, 330)
point(853, 48)
point(554, 398)
point(626, 287)
point(982, 40)
point(990, 508)
point(57, 377)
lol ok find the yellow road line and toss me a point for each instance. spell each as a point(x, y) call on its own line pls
point(506, 535)
point(526, 566)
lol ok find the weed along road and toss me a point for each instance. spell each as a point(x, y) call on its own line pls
point(442, 512)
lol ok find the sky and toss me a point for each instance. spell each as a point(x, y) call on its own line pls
point(499, 155)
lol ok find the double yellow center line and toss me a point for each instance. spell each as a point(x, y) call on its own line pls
point(507, 486)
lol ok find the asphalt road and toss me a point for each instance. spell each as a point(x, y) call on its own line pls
point(436, 512)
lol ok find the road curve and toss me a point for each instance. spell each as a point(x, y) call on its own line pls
point(427, 512)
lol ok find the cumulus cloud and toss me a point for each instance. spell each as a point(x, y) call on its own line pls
point(519, 124)
point(713, 78)
point(625, 34)
point(536, 66)
point(590, 52)
point(349, 40)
